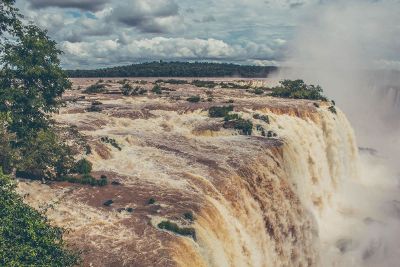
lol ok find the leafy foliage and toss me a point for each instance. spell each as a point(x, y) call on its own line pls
point(244, 126)
point(46, 157)
point(258, 91)
point(299, 90)
point(219, 112)
point(129, 90)
point(26, 237)
point(157, 89)
point(332, 109)
point(207, 84)
point(31, 81)
point(86, 179)
point(111, 141)
point(83, 166)
point(194, 99)
point(189, 216)
point(95, 88)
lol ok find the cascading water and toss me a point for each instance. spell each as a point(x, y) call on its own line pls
point(276, 211)
point(304, 198)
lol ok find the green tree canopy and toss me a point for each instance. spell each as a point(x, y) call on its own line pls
point(31, 84)
point(26, 237)
point(31, 80)
point(298, 89)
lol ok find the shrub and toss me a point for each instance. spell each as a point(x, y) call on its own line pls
point(189, 216)
point(108, 203)
point(231, 117)
point(82, 166)
point(244, 126)
point(129, 90)
point(258, 91)
point(26, 237)
point(157, 89)
point(173, 81)
point(94, 108)
point(111, 141)
point(86, 179)
point(45, 156)
point(299, 90)
point(95, 88)
point(8, 155)
point(194, 99)
point(219, 112)
point(261, 130)
point(263, 118)
point(207, 84)
point(271, 134)
point(151, 201)
point(173, 227)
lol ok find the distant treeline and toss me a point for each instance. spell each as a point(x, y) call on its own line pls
point(177, 69)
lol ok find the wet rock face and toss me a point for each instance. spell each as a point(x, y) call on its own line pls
point(168, 158)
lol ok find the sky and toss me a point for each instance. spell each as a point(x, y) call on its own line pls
point(103, 33)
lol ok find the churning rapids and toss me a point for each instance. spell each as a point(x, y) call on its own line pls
point(302, 198)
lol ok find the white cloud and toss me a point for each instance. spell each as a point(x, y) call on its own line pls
point(113, 52)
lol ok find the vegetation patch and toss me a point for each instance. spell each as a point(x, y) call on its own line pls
point(194, 99)
point(86, 179)
point(332, 109)
point(263, 118)
point(258, 91)
point(271, 134)
point(108, 203)
point(173, 81)
point(26, 237)
point(177, 69)
point(96, 88)
point(111, 141)
point(157, 89)
point(234, 121)
point(151, 201)
point(82, 166)
point(261, 130)
point(189, 216)
point(129, 90)
point(231, 117)
point(219, 112)
point(297, 89)
point(206, 84)
point(94, 108)
point(230, 85)
point(173, 227)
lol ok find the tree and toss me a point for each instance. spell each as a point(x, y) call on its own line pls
point(9, 18)
point(31, 81)
point(8, 155)
point(299, 90)
point(26, 237)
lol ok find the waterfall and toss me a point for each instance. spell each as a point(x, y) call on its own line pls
point(301, 197)
point(273, 211)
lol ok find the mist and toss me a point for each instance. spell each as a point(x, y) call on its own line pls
point(351, 49)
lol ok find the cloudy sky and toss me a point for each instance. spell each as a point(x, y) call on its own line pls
point(101, 33)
